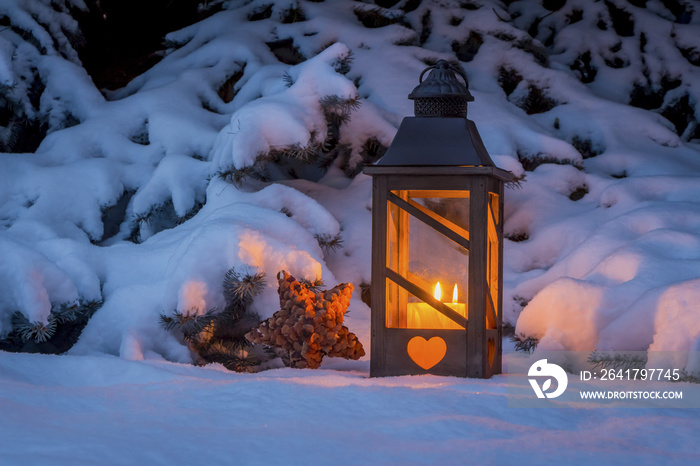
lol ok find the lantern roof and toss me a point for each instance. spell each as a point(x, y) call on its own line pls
point(436, 142)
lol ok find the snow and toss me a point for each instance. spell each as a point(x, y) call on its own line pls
point(296, 111)
point(80, 410)
point(617, 269)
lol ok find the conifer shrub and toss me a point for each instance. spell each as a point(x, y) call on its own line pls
point(62, 330)
point(218, 335)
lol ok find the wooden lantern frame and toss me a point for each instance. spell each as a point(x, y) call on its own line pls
point(476, 350)
point(438, 152)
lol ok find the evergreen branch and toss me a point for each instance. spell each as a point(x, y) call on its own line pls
point(38, 331)
point(233, 356)
point(236, 176)
point(344, 156)
point(343, 64)
point(523, 343)
point(689, 377)
point(329, 243)
point(190, 213)
point(163, 209)
point(219, 336)
point(337, 104)
point(377, 17)
point(61, 331)
point(19, 321)
point(617, 361)
point(325, 160)
point(169, 322)
point(306, 153)
point(516, 183)
point(295, 151)
point(65, 313)
point(372, 150)
point(242, 287)
point(316, 285)
point(293, 14)
point(188, 322)
point(287, 78)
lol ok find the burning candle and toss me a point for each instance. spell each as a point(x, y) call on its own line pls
point(455, 305)
point(423, 315)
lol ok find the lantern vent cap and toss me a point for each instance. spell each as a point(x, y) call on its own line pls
point(442, 94)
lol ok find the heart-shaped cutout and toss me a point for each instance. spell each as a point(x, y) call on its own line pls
point(426, 353)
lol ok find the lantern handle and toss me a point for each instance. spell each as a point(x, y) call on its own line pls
point(445, 65)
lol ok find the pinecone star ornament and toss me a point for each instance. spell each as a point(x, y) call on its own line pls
point(309, 324)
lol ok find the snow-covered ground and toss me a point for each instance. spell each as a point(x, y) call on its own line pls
point(87, 410)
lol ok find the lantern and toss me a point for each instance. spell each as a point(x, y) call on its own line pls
point(437, 240)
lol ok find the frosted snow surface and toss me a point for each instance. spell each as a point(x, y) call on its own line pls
point(68, 410)
point(604, 229)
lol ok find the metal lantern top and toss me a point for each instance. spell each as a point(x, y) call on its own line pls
point(439, 137)
point(442, 94)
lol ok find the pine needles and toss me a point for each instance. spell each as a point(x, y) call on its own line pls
point(319, 153)
point(241, 288)
point(377, 17)
point(37, 331)
point(57, 335)
point(508, 79)
point(343, 64)
point(586, 147)
point(616, 361)
point(523, 343)
point(316, 285)
point(536, 101)
point(467, 50)
point(218, 336)
point(160, 217)
point(329, 243)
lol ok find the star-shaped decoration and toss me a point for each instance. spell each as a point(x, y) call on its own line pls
point(309, 324)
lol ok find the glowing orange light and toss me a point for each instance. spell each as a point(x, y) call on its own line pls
point(424, 315)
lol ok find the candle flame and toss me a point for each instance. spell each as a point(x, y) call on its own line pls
point(438, 292)
point(455, 295)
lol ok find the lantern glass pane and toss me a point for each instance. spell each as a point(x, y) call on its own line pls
point(421, 315)
point(427, 232)
point(493, 259)
point(454, 210)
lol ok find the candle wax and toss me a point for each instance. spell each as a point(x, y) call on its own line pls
point(423, 315)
